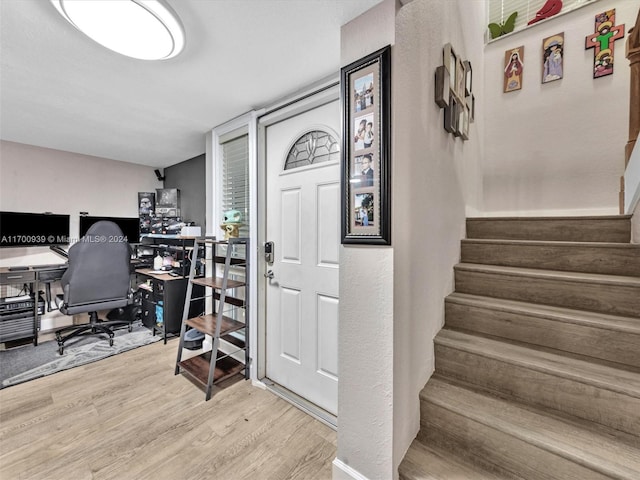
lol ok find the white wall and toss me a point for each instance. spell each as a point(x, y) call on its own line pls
point(365, 341)
point(35, 179)
point(557, 148)
point(436, 183)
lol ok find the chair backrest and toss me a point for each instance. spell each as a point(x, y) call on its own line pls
point(98, 274)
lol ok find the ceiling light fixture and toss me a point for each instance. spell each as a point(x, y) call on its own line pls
point(143, 29)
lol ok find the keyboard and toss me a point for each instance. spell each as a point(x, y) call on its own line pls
point(48, 267)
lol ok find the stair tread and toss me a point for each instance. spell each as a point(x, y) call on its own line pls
point(620, 280)
point(599, 452)
point(626, 382)
point(568, 315)
point(563, 243)
point(427, 463)
point(545, 218)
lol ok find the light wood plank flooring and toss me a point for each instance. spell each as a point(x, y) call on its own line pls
point(129, 417)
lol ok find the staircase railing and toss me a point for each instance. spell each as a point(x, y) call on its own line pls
point(630, 185)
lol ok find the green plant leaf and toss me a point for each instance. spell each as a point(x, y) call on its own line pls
point(510, 23)
point(495, 30)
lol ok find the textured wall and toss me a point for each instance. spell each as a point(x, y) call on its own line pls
point(365, 349)
point(437, 181)
point(557, 148)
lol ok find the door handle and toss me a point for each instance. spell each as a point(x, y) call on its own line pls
point(269, 275)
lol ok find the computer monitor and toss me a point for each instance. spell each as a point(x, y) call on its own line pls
point(22, 229)
point(130, 226)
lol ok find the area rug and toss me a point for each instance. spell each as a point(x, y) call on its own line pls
point(26, 363)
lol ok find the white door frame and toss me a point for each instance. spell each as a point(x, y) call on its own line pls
point(320, 94)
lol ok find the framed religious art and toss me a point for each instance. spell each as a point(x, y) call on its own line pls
point(366, 183)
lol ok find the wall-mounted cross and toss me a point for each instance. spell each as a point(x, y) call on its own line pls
point(602, 41)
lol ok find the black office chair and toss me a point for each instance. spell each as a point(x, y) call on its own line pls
point(98, 278)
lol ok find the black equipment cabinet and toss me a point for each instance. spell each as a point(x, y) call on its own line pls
point(163, 294)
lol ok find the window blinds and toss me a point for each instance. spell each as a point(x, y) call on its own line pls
point(499, 10)
point(235, 178)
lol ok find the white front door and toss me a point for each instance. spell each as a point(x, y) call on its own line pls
point(303, 222)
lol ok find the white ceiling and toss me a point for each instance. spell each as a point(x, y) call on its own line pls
point(60, 90)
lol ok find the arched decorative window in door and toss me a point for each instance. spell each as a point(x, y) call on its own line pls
point(311, 148)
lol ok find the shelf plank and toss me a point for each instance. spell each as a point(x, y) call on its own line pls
point(198, 368)
point(220, 259)
point(216, 282)
point(207, 324)
point(236, 302)
point(238, 342)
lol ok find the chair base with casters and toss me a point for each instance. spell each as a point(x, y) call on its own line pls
point(95, 325)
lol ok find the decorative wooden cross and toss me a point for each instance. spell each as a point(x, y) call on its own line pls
point(602, 41)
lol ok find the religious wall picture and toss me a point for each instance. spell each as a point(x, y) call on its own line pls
point(366, 97)
point(552, 58)
point(603, 42)
point(513, 69)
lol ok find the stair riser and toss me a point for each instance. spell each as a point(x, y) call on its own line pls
point(489, 447)
point(577, 258)
point(606, 298)
point(541, 389)
point(605, 344)
point(615, 230)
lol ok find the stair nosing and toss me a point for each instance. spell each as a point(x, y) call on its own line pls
point(558, 243)
point(578, 277)
point(558, 367)
point(564, 217)
point(563, 449)
point(602, 321)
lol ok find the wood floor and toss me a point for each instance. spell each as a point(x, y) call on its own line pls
point(129, 417)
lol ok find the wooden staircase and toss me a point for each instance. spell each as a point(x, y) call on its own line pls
point(538, 365)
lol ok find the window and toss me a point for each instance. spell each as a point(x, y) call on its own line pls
point(235, 178)
point(499, 10)
point(311, 148)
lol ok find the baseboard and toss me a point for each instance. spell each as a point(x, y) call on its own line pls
point(342, 471)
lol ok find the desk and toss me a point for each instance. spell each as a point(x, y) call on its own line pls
point(167, 292)
point(17, 319)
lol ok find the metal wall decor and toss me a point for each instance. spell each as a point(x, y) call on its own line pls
point(366, 182)
point(454, 92)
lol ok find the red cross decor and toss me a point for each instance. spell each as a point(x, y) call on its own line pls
point(602, 41)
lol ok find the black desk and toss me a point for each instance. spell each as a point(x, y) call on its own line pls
point(18, 323)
